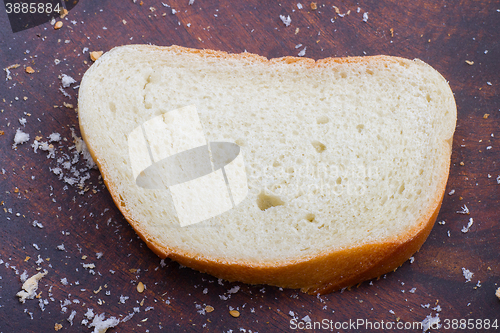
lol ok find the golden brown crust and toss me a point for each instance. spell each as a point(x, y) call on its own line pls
point(320, 274)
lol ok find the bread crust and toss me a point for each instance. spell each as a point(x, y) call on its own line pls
point(319, 274)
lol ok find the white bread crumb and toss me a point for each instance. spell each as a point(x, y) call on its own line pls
point(467, 274)
point(100, 325)
point(20, 138)
point(30, 287)
point(286, 20)
point(431, 322)
point(67, 80)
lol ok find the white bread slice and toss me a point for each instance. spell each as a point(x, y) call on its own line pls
point(346, 158)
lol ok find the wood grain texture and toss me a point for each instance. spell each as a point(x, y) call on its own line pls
point(440, 33)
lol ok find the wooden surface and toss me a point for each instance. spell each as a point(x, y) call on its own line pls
point(442, 33)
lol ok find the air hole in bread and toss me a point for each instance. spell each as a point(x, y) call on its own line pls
point(322, 119)
point(339, 181)
point(290, 170)
point(360, 127)
point(401, 188)
point(112, 107)
point(428, 97)
point(276, 164)
point(122, 202)
point(266, 201)
point(320, 147)
point(310, 217)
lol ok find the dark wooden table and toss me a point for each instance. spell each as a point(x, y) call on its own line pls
point(461, 39)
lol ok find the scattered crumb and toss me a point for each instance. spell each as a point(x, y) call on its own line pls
point(210, 308)
point(365, 17)
point(286, 20)
point(465, 229)
point(464, 210)
point(234, 313)
point(71, 317)
point(467, 274)
point(233, 290)
point(100, 325)
point(497, 293)
point(58, 25)
point(140, 287)
point(29, 70)
point(486, 115)
point(57, 326)
point(302, 52)
point(94, 55)
point(63, 13)
point(7, 71)
point(67, 80)
point(469, 62)
point(314, 5)
point(30, 287)
point(391, 30)
point(55, 137)
point(431, 322)
point(20, 138)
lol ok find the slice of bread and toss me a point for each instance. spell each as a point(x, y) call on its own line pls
point(346, 159)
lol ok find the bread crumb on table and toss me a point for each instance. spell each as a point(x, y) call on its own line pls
point(234, 313)
point(140, 287)
point(30, 287)
point(497, 294)
point(286, 20)
point(94, 55)
point(29, 70)
point(20, 138)
point(57, 327)
point(467, 274)
point(63, 13)
point(314, 5)
point(469, 62)
point(58, 25)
